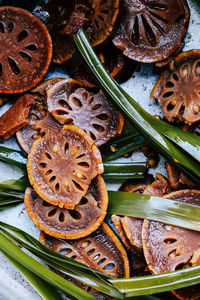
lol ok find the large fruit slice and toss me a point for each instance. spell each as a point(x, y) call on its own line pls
point(25, 50)
point(178, 88)
point(93, 113)
point(86, 217)
point(61, 167)
point(151, 30)
point(100, 250)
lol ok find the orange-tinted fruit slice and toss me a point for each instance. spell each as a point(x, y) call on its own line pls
point(61, 167)
point(100, 250)
point(26, 50)
point(86, 217)
point(93, 113)
point(177, 89)
point(151, 30)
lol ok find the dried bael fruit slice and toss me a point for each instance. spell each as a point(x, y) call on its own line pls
point(176, 179)
point(151, 30)
point(177, 89)
point(26, 50)
point(61, 167)
point(86, 217)
point(173, 247)
point(16, 117)
point(93, 113)
point(43, 87)
point(100, 250)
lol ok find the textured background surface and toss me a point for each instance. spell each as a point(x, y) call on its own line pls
point(12, 283)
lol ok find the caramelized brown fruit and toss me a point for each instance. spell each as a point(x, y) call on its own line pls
point(61, 167)
point(169, 245)
point(16, 116)
point(177, 89)
point(40, 122)
point(177, 180)
point(100, 250)
point(26, 50)
point(151, 30)
point(86, 217)
point(94, 113)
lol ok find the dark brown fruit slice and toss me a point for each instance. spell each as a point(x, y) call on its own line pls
point(177, 89)
point(135, 185)
point(151, 30)
point(100, 250)
point(86, 217)
point(61, 167)
point(93, 113)
point(176, 179)
point(102, 18)
point(40, 122)
point(168, 247)
point(26, 50)
point(159, 187)
point(133, 229)
point(16, 116)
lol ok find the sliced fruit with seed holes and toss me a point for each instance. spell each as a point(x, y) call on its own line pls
point(100, 250)
point(26, 50)
point(93, 113)
point(86, 217)
point(177, 89)
point(151, 30)
point(61, 167)
point(43, 87)
point(168, 248)
point(15, 117)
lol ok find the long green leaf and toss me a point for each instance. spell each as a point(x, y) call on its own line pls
point(9, 247)
point(154, 208)
point(158, 283)
point(8, 201)
point(13, 157)
point(140, 118)
point(125, 170)
point(45, 290)
point(4, 207)
point(17, 185)
point(11, 193)
point(61, 263)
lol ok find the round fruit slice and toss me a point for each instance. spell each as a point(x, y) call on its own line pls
point(26, 50)
point(177, 89)
point(168, 247)
point(151, 30)
point(61, 167)
point(100, 250)
point(91, 112)
point(86, 217)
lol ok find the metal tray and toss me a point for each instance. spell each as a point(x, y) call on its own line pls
point(12, 284)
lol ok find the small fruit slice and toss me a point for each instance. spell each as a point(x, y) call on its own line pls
point(100, 250)
point(26, 50)
point(151, 30)
point(176, 179)
point(177, 89)
point(61, 167)
point(91, 112)
point(86, 217)
point(15, 117)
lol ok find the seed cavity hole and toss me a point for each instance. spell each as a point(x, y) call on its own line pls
point(83, 164)
point(62, 217)
point(48, 155)
point(32, 47)
point(22, 35)
point(64, 104)
point(10, 27)
point(75, 214)
point(43, 165)
point(46, 204)
point(13, 65)
point(101, 261)
point(52, 179)
point(83, 201)
point(77, 185)
point(25, 56)
point(102, 117)
point(170, 241)
point(2, 28)
point(65, 251)
point(66, 147)
point(52, 212)
point(90, 252)
point(77, 102)
point(98, 127)
point(109, 267)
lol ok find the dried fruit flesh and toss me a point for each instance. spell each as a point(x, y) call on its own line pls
point(16, 116)
point(43, 87)
point(86, 217)
point(133, 229)
point(102, 18)
point(100, 250)
point(26, 50)
point(169, 245)
point(151, 30)
point(61, 167)
point(176, 179)
point(177, 89)
point(93, 113)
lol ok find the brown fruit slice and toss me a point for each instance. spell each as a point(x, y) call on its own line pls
point(151, 30)
point(133, 229)
point(102, 18)
point(40, 122)
point(100, 250)
point(177, 89)
point(15, 117)
point(92, 112)
point(61, 167)
point(176, 179)
point(169, 245)
point(26, 50)
point(86, 217)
